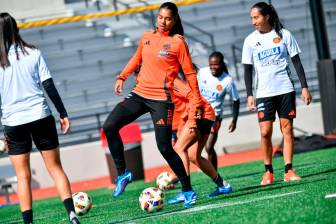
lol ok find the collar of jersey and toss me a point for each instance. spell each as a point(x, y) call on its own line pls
point(165, 34)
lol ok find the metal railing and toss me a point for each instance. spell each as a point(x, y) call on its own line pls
point(236, 60)
point(212, 45)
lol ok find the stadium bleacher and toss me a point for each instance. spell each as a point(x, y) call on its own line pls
point(84, 57)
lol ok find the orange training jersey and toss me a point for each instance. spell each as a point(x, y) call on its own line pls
point(182, 94)
point(179, 110)
point(160, 57)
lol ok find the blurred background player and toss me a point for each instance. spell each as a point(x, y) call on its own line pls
point(214, 83)
point(192, 136)
point(26, 115)
point(160, 53)
point(267, 50)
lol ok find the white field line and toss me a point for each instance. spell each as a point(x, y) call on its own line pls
point(219, 205)
point(330, 195)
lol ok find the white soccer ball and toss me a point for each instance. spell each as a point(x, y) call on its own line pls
point(2, 146)
point(151, 199)
point(82, 203)
point(164, 179)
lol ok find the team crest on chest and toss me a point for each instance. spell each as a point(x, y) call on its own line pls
point(276, 40)
point(219, 87)
point(167, 46)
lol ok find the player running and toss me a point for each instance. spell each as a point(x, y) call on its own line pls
point(214, 83)
point(192, 136)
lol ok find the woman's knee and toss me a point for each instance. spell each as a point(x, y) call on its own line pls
point(210, 150)
point(194, 159)
point(287, 130)
point(266, 132)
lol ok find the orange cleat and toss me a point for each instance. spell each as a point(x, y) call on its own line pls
point(267, 179)
point(291, 176)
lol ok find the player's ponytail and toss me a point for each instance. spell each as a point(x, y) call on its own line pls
point(177, 28)
point(9, 36)
point(266, 9)
point(275, 21)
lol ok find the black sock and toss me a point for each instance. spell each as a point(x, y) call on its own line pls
point(185, 182)
point(121, 171)
point(269, 168)
point(288, 166)
point(69, 206)
point(218, 180)
point(27, 216)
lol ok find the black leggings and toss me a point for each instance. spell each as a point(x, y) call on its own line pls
point(162, 113)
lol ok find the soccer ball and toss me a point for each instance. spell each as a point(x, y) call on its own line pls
point(164, 179)
point(82, 203)
point(151, 199)
point(2, 146)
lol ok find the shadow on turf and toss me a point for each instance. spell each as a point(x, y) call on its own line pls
point(323, 172)
point(258, 173)
point(153, 215)
point(277, 185)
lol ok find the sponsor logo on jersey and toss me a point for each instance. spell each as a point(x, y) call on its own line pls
point(209, 94)
point(163, 52)
point(147, 42)
point(219, 88)
point(268, 53)
point(258, 44)
point(276, 40)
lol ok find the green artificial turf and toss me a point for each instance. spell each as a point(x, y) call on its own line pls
point(294, 202)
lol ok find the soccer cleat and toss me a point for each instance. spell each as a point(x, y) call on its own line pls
point(179, 198)
point(291, 176)
point(122, 182)
point(73, 218)
point(221, 190)
point(267, 179)
point(189, 198)
point(74, 221)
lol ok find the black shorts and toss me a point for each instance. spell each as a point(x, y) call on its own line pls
point(204, 126)
point(283, 104)
point(43, 132)
point(216, 124)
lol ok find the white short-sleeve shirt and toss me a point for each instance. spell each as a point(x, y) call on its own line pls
point(214, 89)
point(22, 98)
point(268, 53)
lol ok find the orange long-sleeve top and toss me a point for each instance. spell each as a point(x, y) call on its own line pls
point(183, 98)
point(180, 107)
point(160, 57)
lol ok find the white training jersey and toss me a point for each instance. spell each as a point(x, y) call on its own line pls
point(268, 53)
point(214, 89)
point(22, 99)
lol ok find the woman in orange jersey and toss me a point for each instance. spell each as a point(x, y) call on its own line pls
point(192, 136)
point(161, 53)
